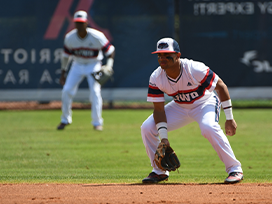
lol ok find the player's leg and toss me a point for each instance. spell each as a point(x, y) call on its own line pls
point(69, 90)
point(176, 118)
point(95, 96)
point(207, 117)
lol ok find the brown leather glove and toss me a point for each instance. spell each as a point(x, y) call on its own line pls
point(166, 158)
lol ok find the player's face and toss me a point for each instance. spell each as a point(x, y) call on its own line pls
point(167, 60)
point(80, 26)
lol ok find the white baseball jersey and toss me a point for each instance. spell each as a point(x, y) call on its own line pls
point(192, 87)
point(89, 49)
point(194, 101)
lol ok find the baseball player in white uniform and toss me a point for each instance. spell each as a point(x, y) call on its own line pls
point(87, 48)
point(191, 84)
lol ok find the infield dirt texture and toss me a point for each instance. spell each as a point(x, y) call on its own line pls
point(135, 193)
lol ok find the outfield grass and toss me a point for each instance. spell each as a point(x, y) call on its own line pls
point(33, 151)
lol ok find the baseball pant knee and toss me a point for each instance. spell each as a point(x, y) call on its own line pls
point(207, 130)
point(68, 92)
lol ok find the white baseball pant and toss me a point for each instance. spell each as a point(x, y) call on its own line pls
point(178, 117)
point(75, 76)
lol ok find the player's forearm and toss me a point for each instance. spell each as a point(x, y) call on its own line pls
point(223, 94)
point(159, 116)
point(222, 90)
point(63, 72)
point(110, 60)
point(64, 63)
point(161, 124)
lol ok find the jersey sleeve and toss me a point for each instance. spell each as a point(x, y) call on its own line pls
point(108, 49)
point(106, 46)
point(154, 93)
point(66, 50)
point(205, 76)
point(210, 80)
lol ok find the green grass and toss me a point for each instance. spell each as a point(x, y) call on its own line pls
point(263, 103)
point(33, 151)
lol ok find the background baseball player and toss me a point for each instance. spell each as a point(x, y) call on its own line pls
point(86, 46)
point(191, 84)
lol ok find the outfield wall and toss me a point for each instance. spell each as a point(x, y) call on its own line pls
point(233, 38)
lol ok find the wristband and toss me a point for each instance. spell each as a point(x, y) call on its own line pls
point(110, 62)
point(162, 129)
point(227, 107)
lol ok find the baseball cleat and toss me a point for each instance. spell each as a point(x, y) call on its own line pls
point(98, 127)
point(234, 177)
point(155, 178)
point(62, 126)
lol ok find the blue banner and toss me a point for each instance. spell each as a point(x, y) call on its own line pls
point(233, 38)
point(33, 31)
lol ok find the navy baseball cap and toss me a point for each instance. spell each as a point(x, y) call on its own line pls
point(167, 45)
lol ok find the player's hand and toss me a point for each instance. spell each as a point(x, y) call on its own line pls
point(165, 141)
point(62, 79)
point(230, 127)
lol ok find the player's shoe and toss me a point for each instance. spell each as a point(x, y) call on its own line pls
point(61, 126)
point(155, 178)
point(234, 177)
point(98, 127)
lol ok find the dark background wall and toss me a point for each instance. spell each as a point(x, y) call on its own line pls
point(232, 37)
point(32, 33)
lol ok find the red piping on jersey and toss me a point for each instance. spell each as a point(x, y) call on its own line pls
point(153, 87)
point(203, 80)
point(84, 48)
point(155, 95)
point(211, 81)
point(207, 74)
point(106, 46)
point(67, 51)
point(207, 88)
point(71, 52)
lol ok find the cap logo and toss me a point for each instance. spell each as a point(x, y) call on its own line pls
point(163, 45)
point(78, 16)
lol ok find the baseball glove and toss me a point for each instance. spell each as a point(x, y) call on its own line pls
point(103, 75)
point(166, 158)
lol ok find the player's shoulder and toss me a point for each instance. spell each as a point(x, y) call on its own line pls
point(192, 64)
point(157, 72)
point(157, 75)
point(95, 33)
point(71, 33)
point(195, 70)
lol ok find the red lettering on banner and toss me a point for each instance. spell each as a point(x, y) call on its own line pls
point(58, 19)
point(62, 13)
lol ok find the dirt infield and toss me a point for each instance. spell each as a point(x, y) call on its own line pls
point(135, 193)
